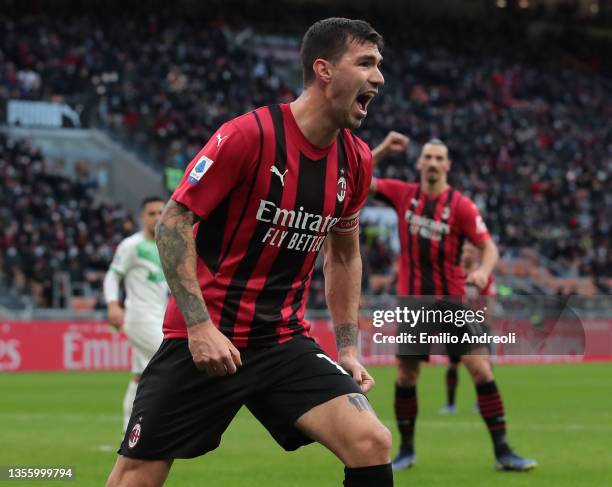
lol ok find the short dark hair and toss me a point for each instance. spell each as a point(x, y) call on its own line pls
point(439, 143)
point(436, 141)
point(151, 199)
point(329, 38)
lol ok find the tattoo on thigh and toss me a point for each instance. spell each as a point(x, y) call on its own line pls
point(360, 402)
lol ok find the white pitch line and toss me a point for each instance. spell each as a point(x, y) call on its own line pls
point(107, 448)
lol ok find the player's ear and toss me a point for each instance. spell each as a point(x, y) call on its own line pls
point(322, 69)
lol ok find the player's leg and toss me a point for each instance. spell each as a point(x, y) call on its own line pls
point(490, 403)
point(131, 472)
point(128, 398)
point(145, 340)
point(406, 409)
point(348, 426)
point(139, 362)
point(491, 407)
point(179, 412)
point(303, 395)
point(451, 381)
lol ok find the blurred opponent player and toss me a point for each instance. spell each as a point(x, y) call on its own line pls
point(137, 263)
point(470, 259)
point(434, 221)
point(266, 192)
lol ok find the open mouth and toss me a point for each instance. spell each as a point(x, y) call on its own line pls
point(363, 100)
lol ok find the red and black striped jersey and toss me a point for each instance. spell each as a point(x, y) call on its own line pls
point(266, 198)
point(432, 230)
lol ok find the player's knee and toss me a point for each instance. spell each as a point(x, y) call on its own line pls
point(385, 440)
point(380, 444)
point(480, 370)
point(130, 478)
point(372, 448)
point(115, 478)
point(120, 477)
point(127, 474)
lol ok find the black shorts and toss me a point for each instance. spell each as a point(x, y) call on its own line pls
point(181, 412)
point(449, 334)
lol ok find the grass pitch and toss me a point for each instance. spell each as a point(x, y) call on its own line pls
point(559, 414)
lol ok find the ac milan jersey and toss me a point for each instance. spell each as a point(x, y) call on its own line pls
point(266, 198)
point(432, 230)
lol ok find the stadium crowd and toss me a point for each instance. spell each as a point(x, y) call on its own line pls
point(529, 136)
point(50, 222)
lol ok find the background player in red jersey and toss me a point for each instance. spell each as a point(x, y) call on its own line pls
point(434, 221)
point(264, 193)
point(470, 259)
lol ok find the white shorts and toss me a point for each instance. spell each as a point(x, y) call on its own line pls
point(145, 338)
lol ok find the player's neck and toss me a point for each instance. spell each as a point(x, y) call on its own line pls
point(148, 235)
point(434, 189)
point(310, 113)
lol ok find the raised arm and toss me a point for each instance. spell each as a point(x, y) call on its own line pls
point(342, 269)
point(211, 350)
point(394, 143)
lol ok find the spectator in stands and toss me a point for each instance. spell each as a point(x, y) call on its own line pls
point(49, 224)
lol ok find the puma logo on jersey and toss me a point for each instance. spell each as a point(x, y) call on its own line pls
point(274, 170)
point(220, 139)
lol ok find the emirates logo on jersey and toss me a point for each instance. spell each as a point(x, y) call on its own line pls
point(283, 221)
point(341, 189)
point(426, 227)
point(134, 436)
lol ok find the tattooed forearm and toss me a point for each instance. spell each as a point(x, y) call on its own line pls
point(360, 402)
point(174, 237)
point(346, 335)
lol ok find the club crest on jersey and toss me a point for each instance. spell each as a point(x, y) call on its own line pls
point(199, 170)
point(445, 213)
point(134, 435)
point(341, 189)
